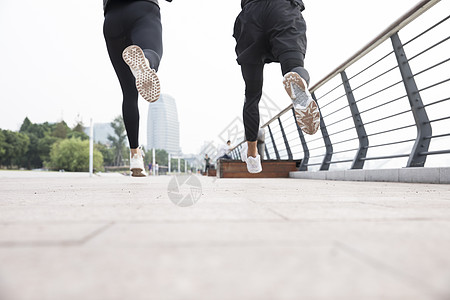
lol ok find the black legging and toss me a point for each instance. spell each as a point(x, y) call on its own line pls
point(132, 23)
point(253, 77)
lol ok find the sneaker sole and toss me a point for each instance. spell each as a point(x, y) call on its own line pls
point(147, 82)
point(308, 118)
point(137, 173)
point(290, 78)
point(254, 172)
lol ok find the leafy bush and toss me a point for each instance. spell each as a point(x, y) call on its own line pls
point(73, 155)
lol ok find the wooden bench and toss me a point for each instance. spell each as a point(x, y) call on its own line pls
point(211, 173)
point(271, 169)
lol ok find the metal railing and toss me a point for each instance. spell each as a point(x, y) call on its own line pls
point(388, 105)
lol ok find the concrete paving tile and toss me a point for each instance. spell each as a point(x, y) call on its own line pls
point(355, 211)
point(244, 239)
point(166, 211)
point(416, 251)
point(311, 190)
point(8, 175)
point(275, 272)
point(254, 233)
point(213, 233)
point(17, 234)
point(407, 249)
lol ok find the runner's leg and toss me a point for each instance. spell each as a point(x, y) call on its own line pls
point(116, 41)
point(253, 78)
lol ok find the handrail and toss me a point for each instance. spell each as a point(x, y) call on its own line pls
point(336, 145)
point(237, 146)
point(400, 23)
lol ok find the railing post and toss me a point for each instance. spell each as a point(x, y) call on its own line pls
point(273, 143)
point(286, 143)
point(325, 166)
point(358, 162)
point(420, 115)
point(238, 152)
point(305, 160)
point(267, 151)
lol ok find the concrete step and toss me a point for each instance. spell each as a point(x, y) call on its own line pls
point(271, 169)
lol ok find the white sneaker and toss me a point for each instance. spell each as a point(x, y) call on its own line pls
point(244, 150)
point(147, 82)
point(137, 164)
point(254, 164)
point(306, 109)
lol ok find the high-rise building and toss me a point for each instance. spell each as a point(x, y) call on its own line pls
point(163, 128)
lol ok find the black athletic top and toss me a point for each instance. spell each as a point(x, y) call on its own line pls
point(106, 2)
point(297, 2)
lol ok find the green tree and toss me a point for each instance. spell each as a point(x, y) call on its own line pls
point(61, 130)
point(13, 146)
point(41, 140)
point(79, 135)
point(44, 146)
point(118, 140)
point(40, 130)
point(78, 132)
point(73, 155)
point(161, 157)
point(2, 144)
point(107, 153)
point(31, 158)
point(26, 124)
point(79, 127)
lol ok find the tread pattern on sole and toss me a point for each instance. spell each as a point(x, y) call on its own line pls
point(147, 82)
point(307, 118)
point(137, 173)
point(290, 78)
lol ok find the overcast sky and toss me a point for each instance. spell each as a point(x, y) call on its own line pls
point(54, 63)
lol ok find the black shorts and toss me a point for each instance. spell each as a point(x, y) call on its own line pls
point(266, 29)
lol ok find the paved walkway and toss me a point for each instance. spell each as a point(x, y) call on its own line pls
point(67, 236)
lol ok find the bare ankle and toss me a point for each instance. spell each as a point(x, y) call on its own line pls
point(134, 151)
point(252, 149)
